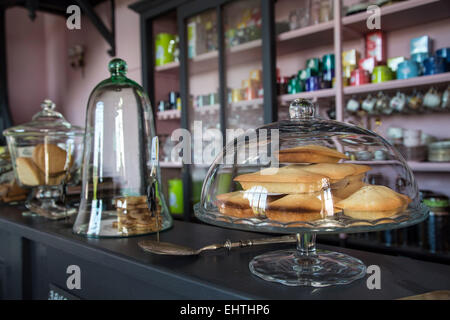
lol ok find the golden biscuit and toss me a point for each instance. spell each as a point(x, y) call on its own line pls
point(335, 171)
point(286, 217)
point(288, 179)
point(237, 204)
point(303, 157)
point(373, 202)
point(301, 207)
point(50, 158)
point(28, 173)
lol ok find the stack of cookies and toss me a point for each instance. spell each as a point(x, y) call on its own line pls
point(313, 186)
point(134, 216)
point(47, 166)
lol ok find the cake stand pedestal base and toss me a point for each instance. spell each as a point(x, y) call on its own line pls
point(48, 201)
point(306, 266)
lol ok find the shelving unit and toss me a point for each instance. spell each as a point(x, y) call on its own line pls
point(429, 166)
point(401, 15)
point(165, 164)
point(168, 66)
point(168, 114)
point(424, 81)
point(291, 48)
point(305, 38)
point(314, 95)
point(414, 165)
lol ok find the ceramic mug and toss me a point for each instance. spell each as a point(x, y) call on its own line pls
point(446, 99)
point(381, 74)
point(353, 105)
point(412, 138)
point(382, 105)
point(380, 155)
point(369, 104)
point(432, 99)
point(415, 100)
point(398, 102)
point(395, 135)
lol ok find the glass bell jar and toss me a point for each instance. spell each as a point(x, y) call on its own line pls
point(306, 176)
point(121, 192)
point(46, 156)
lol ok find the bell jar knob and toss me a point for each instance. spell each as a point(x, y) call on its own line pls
point(48, 105)
point(48, 111)
point(301, 109)
point(117, 67)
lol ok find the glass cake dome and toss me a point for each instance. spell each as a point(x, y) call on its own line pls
point(307, 176)
point(121, 192)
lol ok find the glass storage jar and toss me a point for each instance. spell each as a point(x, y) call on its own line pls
point(121, 192)
point(46, 154)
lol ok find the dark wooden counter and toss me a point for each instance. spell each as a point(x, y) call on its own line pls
point(35, 254)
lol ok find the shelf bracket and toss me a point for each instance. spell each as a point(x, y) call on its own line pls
point(31, 6)
point(109, 36)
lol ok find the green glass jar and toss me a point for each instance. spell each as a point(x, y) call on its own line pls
point(121, 192)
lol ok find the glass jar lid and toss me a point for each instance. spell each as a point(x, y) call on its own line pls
point(296, 175)
point(46, 122)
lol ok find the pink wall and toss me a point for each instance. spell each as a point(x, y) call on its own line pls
point(80, 85)
point(26, 63)
point(38, 65)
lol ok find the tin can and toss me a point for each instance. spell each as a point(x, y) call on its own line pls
point(236, 95)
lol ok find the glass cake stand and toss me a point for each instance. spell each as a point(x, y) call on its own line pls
point(305, 265)
point(320, 176)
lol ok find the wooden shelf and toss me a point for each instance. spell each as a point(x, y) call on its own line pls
point(209, 61)
point(399, 84)
point(314, 95)
point(414, 165)
point(244, 104)
point(168, 114)
point(305, 38)
point(429, 166)
point(245, 46)
point(164, 164)
point(248, 104)
point(171, 66)
point(207, 109)
point(399, 15)
point(372, 87)
point(306, 31)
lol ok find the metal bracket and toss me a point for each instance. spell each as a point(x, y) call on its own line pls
point(109, 36)
point(31, 5)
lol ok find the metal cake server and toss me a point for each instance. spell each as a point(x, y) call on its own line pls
point(166, 248)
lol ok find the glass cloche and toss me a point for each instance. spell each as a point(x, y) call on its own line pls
point(121, 192)
point(307, 176)
point(45, 154)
